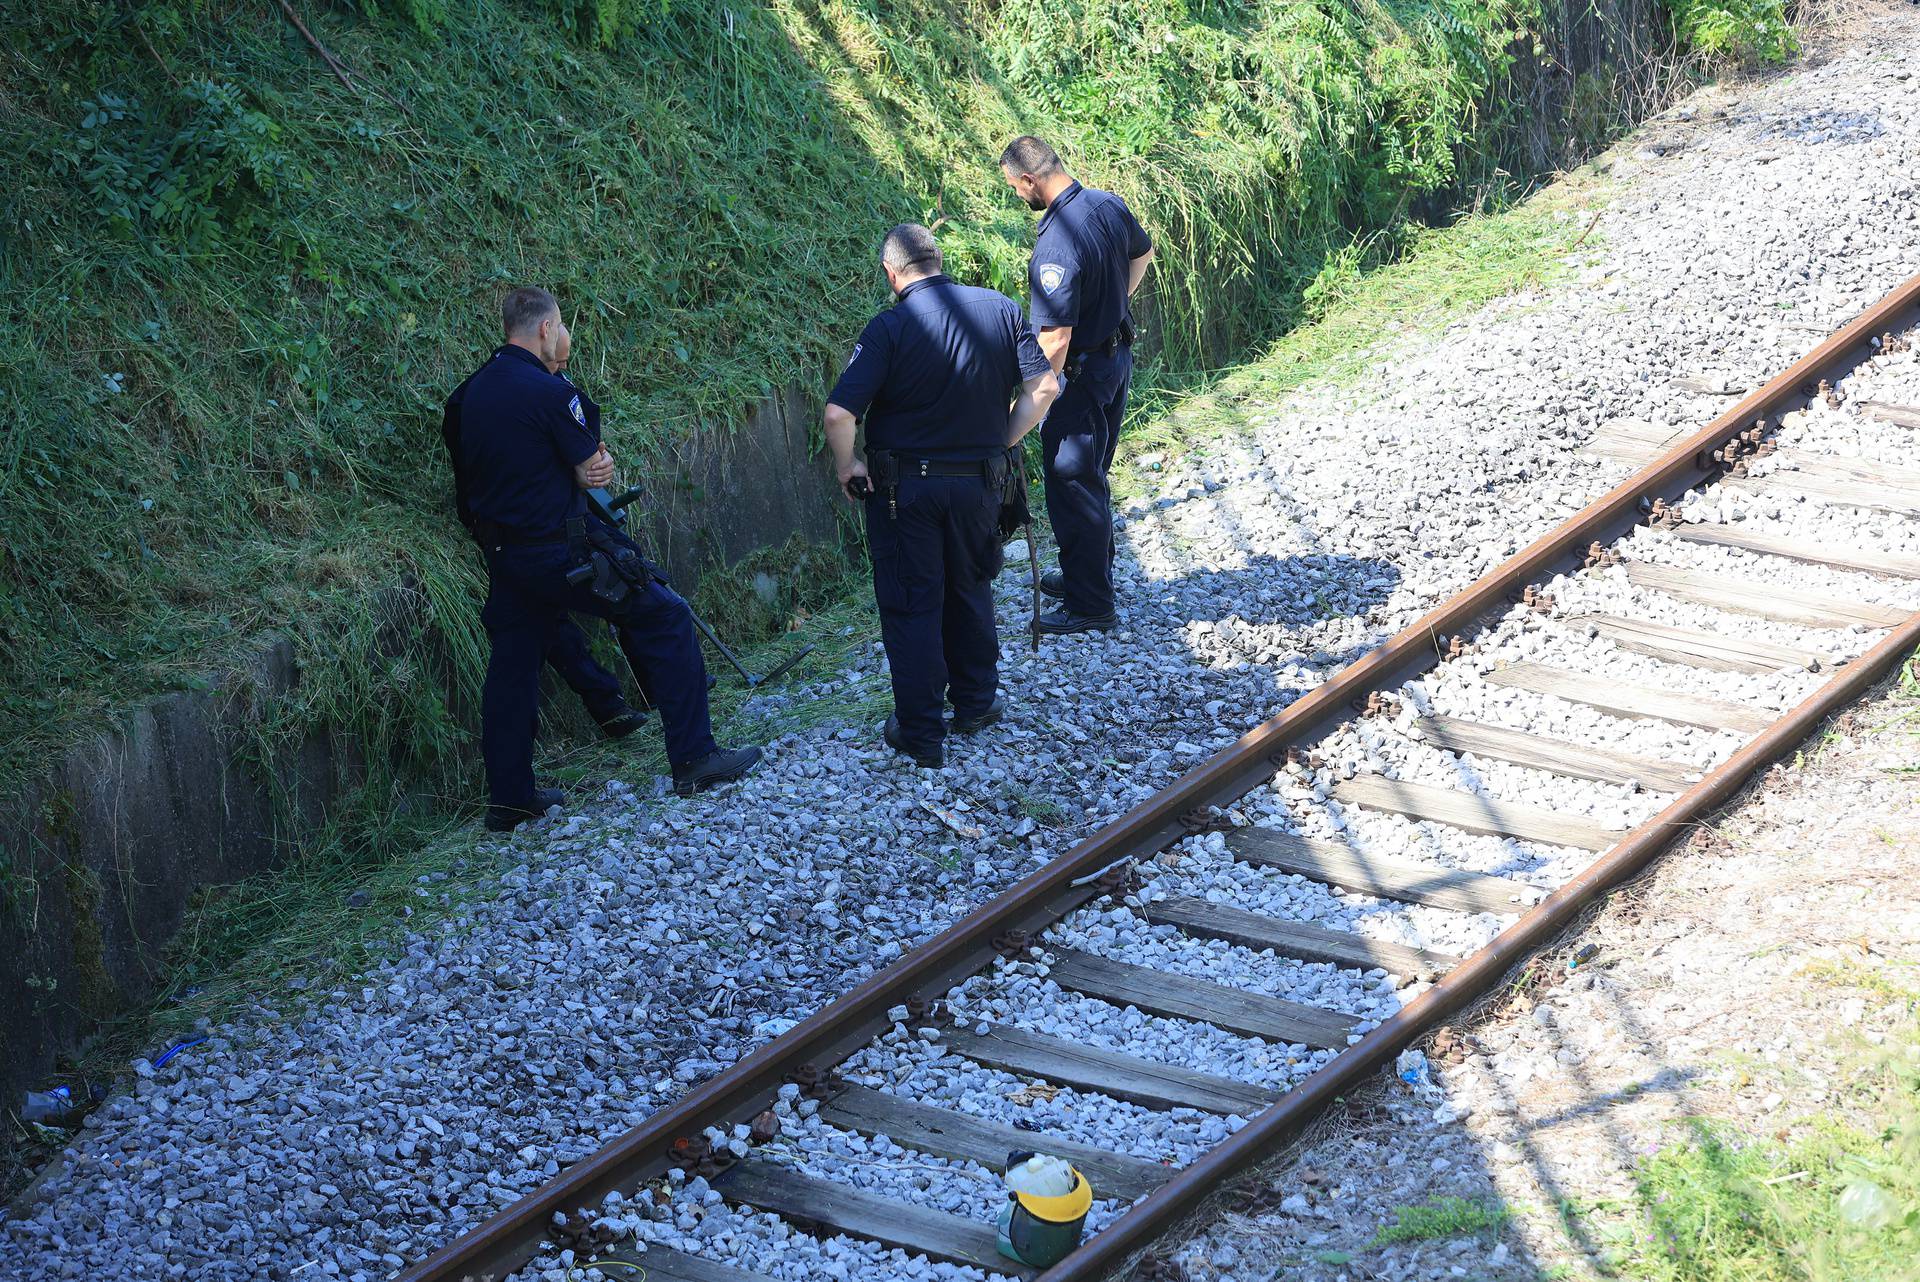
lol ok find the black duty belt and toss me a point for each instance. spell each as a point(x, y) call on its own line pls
point(1122, 337)
point(887, 468)
point(907, 465)
point(493, 535)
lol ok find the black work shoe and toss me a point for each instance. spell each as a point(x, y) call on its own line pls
point(507, 818)
point(622, 722)
point(719, 766)
point(1054, 584)
point(996, 711)
point(1062, 621)
point(926, 758)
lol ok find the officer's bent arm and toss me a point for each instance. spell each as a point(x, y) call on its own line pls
point(840, 425)
point(1054, 340)
point(1137, 271)
point(1036, 394)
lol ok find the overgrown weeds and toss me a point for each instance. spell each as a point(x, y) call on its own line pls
point(1443, 1217)
point(244, 287)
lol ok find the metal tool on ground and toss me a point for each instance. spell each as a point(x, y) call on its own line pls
point(612, 508)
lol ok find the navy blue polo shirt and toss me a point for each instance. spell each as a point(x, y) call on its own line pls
point(1086, 241)
point(936, 372)
point(522, 431)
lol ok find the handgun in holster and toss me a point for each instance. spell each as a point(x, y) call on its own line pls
point(604, 565)
point(883, 469)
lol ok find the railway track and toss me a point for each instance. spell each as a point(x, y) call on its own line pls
point(1383, 852)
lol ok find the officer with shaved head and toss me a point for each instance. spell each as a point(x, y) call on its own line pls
point(948, 379)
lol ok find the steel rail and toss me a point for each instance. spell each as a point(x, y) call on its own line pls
point(1479, 973)
point(510, 1237)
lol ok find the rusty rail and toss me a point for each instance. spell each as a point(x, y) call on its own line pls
point(510, 1238)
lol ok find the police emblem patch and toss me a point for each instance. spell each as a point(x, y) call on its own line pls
point(1052, 275)
point(579, 415)
point(856, 356)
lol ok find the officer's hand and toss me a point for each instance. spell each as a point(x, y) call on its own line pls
point(848, 471)
point(596, 471)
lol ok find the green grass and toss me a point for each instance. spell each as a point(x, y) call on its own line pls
point(1841, 1204)
point(1442, 1217)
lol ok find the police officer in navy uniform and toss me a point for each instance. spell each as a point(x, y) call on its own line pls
point(567, 650)
point(1089, 255)
point(528, 451)
point(949, 379)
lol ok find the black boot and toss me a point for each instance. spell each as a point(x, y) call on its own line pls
point(719, 766)
point(1063, 621)
point(926, 758)
point(1054, 584)
point(621, 722)
point(507, 818)
point(996, 712)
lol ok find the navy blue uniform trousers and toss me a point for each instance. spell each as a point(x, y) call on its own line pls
point(1078, 440)
point(933, 568)
point(528, 600)
point(571, 658)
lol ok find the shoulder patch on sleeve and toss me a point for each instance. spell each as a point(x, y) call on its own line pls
point(579, 415)
point(1051, 276)
point(856, 356)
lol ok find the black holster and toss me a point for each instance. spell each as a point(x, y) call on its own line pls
point(883, 469)
point(1121, 337)
point(604, 565)
point(1010, 476)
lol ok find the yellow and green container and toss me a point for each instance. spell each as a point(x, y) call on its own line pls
point(1046, 1210)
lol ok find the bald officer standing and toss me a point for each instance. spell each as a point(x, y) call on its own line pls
point(1089, 255)
point(949, 378)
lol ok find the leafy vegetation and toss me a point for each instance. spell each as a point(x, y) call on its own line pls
point(1735, 30)
point(1442, 1217)
point(250, 284)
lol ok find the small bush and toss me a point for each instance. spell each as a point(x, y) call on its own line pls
point(1737, 31)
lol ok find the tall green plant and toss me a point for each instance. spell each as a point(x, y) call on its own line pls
point(1734, 30)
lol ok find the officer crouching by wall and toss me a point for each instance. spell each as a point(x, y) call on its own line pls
point(529, 448)
point(934, 375)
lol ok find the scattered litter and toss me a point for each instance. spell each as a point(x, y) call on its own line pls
point(49, 1107)
point(953, 821)
point(175, 1049)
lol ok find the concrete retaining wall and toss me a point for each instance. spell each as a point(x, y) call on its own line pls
point(99, 861)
